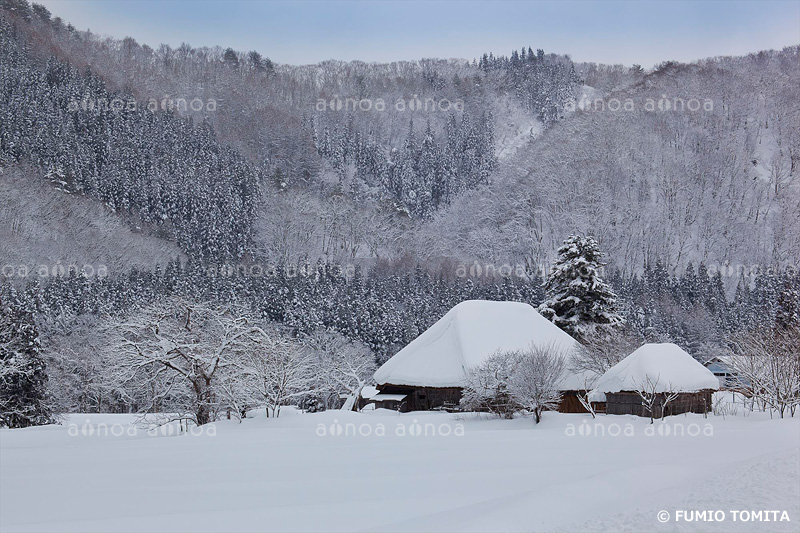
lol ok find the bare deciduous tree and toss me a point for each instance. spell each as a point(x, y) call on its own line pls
point(654, 396)
point(585, 401)
point(80, 376)
point(598, 354)
point(178, 349)
point(517, 379)
point(487, 386)
point(537, 373)
point(767, 363)
point(276, 370)
point(341, 366)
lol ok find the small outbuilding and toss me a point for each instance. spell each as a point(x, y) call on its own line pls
point(721, 367)
point(431, 371)
point(662, 375)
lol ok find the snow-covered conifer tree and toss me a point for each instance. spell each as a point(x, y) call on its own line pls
point(23, 377)
point(578, 300)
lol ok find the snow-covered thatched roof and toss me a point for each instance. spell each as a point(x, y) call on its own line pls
point(369, 391)
point(382, 397)
point(468, 334)
point(656, 368)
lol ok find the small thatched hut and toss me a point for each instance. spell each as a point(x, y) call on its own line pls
point(656, 380)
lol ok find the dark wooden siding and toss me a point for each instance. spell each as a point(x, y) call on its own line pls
point(630, 403)
point(570, 403)
point(428, 398)
point(424, 398)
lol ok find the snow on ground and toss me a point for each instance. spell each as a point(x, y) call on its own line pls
point(318, 472)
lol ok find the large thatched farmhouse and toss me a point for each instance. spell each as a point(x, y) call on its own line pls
point(430, 372)
point(663, 375)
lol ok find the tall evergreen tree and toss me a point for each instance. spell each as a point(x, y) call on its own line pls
point(787, 312)
point(23, 377)
point(578, 300)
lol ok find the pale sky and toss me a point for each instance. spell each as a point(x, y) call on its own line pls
point(309, 31)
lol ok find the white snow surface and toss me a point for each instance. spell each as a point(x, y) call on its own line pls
point(295, 474)
point(468, 334)
point(369, 391)
point(665, 365)
point(389, 397)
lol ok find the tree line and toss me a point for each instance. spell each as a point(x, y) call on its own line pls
point(380, 310)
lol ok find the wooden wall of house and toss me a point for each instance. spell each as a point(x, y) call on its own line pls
point(424, 398)
point(630, 403)
point(427, 398)
point(570, 403)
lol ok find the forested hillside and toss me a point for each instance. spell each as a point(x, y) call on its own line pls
point(368, 199)
point(46, 231)
point(544, 154)
point(159, 168)
point(693, 163)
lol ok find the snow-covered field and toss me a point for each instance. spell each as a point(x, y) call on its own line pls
point(468, 473)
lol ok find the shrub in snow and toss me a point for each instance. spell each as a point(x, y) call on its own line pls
point(725, 403)
point(312, 403)
point(517, 379)
point(487, 386)
point(577, 299)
